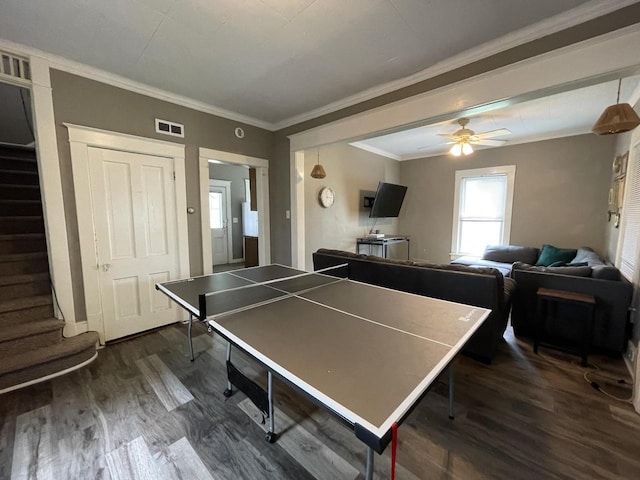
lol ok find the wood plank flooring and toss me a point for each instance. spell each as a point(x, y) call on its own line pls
point(142, 410)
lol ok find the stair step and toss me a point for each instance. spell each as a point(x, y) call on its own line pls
point(22, 243)
point(18, 164)
point(19, 177)
point(20, 367)
point(20, 286)
point(20, 279)
point(19, 191)
point(19, 224)
point(24, 208)
point(25, 310)
point(23, 263)
point(27, 336)
point(26, 315)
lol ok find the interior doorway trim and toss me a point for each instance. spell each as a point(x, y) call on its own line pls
point(262, 186)
point(80, 139)
point(227, 186)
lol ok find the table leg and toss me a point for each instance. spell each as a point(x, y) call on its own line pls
point(451, 389)
point(408, 249)
point(271, 434)
point(540, 323)
point(588, 331)
point(189, 334)
point(229, 391)
point(369, 473)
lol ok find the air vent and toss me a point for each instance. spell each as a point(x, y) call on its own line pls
point(14, 67)
point(169, 128)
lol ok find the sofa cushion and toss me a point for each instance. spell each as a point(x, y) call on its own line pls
point(510, 254)
point(586, 254)
point(575, 271)
point(504, 268)
point(551, 254)
point(605, 272)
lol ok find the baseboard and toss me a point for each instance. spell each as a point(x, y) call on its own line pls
point(73, 329)
point(237, 260)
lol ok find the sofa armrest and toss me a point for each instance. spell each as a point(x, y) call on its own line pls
point(613, 299)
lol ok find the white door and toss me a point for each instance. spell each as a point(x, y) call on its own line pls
point(134, 206)
point(219, 222)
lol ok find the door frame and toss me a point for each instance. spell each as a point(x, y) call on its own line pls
point(262, 186)
point(227, 186)
point(80, 139)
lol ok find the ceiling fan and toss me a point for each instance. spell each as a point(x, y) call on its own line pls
point(465, 137)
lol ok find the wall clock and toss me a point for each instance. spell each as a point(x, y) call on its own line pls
point(326, 197)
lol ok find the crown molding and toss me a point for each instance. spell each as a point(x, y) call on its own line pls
point(568, 19)
point(576, 16)
point(92, 73)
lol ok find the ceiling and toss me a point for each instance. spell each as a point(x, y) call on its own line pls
point(276, 62)
point(572, 112)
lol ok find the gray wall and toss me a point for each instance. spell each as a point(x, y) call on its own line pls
point(560, 194)
point(349, 170)
point(236, 175)
point(89, 103)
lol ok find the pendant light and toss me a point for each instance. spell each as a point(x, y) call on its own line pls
point(318, 170)
point(617, 118)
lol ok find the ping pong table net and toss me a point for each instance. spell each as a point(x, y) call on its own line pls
point(216, 304)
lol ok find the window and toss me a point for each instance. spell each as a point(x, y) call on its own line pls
point(482, 209)
point(630, 228)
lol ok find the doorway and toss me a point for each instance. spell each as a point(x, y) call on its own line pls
point(261, 187)
point(132, 227)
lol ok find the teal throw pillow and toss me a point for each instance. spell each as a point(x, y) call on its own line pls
point(551, 254)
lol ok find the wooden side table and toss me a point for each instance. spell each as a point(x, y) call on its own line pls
point(546, 297)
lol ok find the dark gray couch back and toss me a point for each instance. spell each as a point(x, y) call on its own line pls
point(480, 287)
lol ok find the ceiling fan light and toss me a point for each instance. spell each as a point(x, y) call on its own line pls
point(467, 149)
point(617, 118)
point(318, 171)
point(456, 150)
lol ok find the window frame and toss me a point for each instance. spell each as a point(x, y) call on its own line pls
point(510, 172)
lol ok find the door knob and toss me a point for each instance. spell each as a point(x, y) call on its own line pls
point(106, 267)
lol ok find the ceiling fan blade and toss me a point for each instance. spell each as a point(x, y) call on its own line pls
point(489, 143)
point(494, 133)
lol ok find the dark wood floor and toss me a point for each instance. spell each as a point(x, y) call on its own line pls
point(143, 410)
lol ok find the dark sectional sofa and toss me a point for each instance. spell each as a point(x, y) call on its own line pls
point(482, 287)
point(583, 271)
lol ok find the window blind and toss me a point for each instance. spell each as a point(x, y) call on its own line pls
point(631, 218)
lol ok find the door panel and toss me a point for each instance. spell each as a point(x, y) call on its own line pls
point(135, 227)
point(219, 225)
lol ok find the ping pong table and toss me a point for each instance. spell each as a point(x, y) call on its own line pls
point(367, 354)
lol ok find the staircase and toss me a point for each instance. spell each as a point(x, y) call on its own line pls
point(31, 343)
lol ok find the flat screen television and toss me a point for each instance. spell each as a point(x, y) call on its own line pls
point(388, 200)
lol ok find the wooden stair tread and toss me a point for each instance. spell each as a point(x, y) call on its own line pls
point(26, 172)
point(21, 236)
point(17, 257)
point(21, 360)
point(26, 278)
point(20, 330)
point(23, 303)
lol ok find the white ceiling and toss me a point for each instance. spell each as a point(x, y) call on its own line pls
point(276, 61)
point(572, 112)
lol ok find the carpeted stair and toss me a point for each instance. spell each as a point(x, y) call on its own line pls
point(31, 342)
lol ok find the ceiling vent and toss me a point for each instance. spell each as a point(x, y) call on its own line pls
point(169, 128)
point(14, 67)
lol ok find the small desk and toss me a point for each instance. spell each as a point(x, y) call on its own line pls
point(548, 296)
point(384, 243)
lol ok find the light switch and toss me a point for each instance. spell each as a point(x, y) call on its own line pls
point(235, 220)
point(287, 214)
